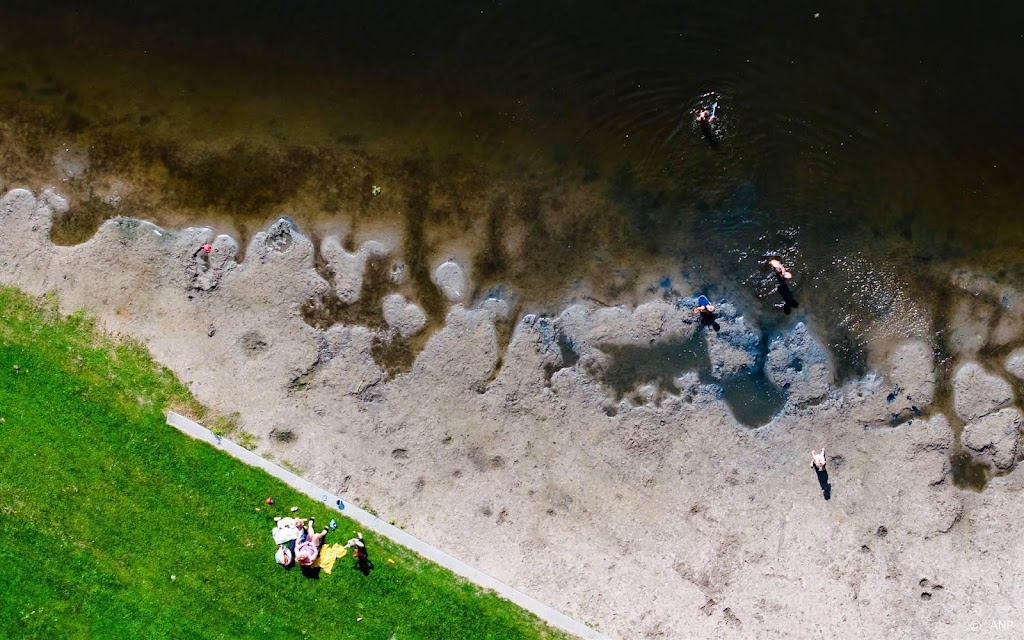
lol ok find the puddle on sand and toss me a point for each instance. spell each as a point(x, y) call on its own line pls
point(659, 364)
point(753, 399)
point(969, 473)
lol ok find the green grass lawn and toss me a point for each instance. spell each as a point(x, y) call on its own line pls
point(101, 503)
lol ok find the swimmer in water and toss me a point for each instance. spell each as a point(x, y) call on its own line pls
point(706, 117)
point(780, 269)
point(783, 276)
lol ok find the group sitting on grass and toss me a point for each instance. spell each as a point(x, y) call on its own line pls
point(298, 542)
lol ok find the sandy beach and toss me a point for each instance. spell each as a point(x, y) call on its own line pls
point(649, 514)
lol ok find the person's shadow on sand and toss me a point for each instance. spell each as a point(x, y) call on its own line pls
point(707, 319)
point(826, 486)
point(788, 301)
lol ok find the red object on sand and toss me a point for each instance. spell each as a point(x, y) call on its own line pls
point(270, 501)
point(207, 247)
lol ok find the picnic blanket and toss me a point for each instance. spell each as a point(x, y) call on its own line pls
point(285, 531)
point(329, 554)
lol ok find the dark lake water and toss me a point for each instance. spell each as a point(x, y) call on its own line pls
point(873, 145)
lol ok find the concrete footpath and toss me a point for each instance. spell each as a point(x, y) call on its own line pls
point(372, 522)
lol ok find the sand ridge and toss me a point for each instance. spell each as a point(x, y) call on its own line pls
point(657, 516)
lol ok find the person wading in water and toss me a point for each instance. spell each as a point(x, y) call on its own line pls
point(706, 119)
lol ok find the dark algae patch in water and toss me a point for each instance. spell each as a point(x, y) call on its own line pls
point(328, 309)
point(493, 261)
point(83, 220)
point(993, 347)
point(394, 353)
point(753, 399)
point(244, 179)
point(416, 248)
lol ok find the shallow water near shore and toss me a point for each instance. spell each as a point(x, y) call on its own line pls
point(751, 397)
point(554, 143)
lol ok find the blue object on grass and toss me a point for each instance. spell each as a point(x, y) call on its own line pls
point(333, 524)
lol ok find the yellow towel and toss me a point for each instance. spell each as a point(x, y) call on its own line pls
point(329, 554)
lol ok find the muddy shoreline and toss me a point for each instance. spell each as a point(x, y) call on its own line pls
point(649, 511)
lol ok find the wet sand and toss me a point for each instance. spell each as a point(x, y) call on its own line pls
point(652, 513)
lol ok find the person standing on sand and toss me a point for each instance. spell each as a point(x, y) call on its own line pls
point(818, 460)
point(818, 464)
